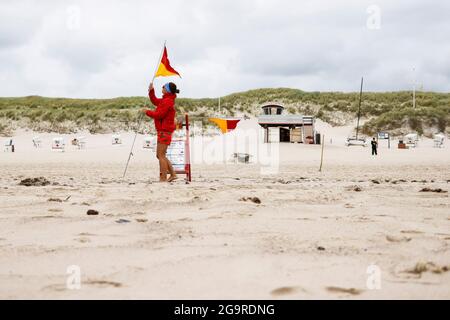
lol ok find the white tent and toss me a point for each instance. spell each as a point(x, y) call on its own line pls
point(438, 140)
point(37, 142)
point(9, 145)
point(81, 142)
point(149, 143)
point(58, 143)
point(411, 140)
point(116, 139)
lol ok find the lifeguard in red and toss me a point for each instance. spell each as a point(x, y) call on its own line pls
point(164, 117)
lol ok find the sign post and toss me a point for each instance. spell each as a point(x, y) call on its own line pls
point(384, 136)
point(179, 153)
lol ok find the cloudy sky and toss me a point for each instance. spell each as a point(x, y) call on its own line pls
point(109, 48)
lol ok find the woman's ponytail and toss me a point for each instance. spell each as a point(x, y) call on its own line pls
point(173, 88)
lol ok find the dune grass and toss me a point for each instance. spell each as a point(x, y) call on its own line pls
point(390, 111)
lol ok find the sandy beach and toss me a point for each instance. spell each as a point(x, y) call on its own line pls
point(313, 234)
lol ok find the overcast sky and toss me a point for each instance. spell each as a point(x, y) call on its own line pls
point(110, 48)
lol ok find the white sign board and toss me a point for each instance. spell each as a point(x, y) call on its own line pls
point(176, 154)
point(383, 135)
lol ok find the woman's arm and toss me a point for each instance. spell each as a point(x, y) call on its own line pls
point(160, 112)
point(151, 94)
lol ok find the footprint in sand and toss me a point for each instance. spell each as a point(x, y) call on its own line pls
point(214, 217)
point(351, 291)
point(86, 234)
point(44, 217)
point(412, 231)
point(55, 287)
point(423, 267)
point(94, 283)
point(283, 291)
point(397, 239)
point(103, 283)
point(83, 240)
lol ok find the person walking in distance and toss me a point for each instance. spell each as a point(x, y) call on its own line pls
point(374, 144)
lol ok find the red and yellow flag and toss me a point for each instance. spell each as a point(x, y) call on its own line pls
point(225, 125)
point(165, 69)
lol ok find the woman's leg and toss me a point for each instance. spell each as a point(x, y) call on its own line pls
point(161, 155)
point(173, 175)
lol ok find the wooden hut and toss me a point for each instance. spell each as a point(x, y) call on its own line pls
point(279, 127)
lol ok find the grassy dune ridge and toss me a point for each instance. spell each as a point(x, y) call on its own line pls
point(392, 111)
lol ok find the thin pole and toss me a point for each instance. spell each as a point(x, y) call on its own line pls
point(414, 87)
point(141, 117)
point(321, 154)
point(132, 146)
point(359, 108)
point(159, 61)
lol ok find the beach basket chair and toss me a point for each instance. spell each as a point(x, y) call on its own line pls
point(9, 145)
point(37, 142)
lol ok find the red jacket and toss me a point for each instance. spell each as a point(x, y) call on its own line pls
point(164, 114)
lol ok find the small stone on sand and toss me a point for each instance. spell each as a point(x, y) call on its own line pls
point(252, 199)
point(34, 182)
point(438, 190)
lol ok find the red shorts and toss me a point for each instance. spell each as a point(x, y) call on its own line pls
point(164, 137)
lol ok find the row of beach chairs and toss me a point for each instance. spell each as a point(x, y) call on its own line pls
point(59, 143)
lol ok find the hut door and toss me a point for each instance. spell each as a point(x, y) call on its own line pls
point(274, 134)
point(285, 135)
point(296, 135)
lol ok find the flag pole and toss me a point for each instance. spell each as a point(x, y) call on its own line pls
point(359, 108)
point(159, 61)
point(142, 115)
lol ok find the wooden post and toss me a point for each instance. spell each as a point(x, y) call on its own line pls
point(321, 153)
point(187, 151)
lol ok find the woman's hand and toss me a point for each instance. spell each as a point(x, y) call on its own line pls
point(144, 110)
point(150, 87)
